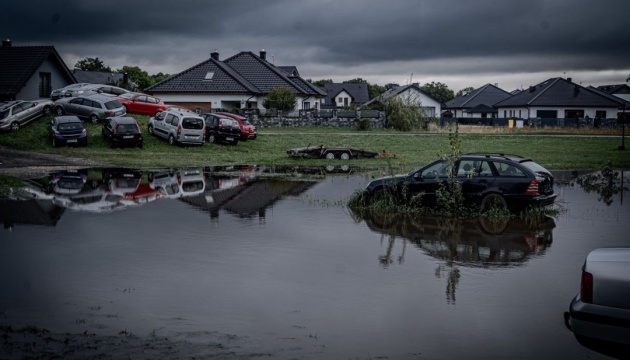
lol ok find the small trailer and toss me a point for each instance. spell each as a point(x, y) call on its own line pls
point(328, 152)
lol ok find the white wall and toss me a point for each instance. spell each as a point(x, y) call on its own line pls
point(411, 94)
point(31, 90)
point(343, 95)
point(531, 112)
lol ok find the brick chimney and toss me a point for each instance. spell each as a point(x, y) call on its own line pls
point(215, 54)
point(263, 54)
point(6, 43)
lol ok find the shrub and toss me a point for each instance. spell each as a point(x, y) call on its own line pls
point(363, 124)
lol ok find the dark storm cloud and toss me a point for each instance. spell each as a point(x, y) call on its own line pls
point(454, 37)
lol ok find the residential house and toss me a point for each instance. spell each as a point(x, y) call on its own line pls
point(412, 93)
point(619, 90)
point(31, 72)
point(558, 98)
point(477, 103)
point(238, 82)
point(104, 77)
point(339, 95)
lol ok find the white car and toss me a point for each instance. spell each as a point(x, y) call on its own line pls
point(177, 184)
point(601, 310)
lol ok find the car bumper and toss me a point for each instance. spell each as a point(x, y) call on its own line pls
point(598, 322)
point(72, 141)
point(524, 200)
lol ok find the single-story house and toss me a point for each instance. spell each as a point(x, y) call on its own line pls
point(238, 82)
point(412, 93)
point(558, 98)
point(31, 72)
point(477, 103)
point(339, 95)
point(619, 90)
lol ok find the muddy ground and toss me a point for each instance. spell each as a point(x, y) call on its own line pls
point(27, 164)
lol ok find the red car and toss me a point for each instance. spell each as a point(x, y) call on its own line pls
point(141, 103)
point(248, 131)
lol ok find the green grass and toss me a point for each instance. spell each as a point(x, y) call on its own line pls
point(411, 150)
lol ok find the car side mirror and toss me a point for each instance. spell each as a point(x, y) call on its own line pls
point(417, 176)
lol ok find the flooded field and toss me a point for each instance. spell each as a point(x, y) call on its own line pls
point(244, 262)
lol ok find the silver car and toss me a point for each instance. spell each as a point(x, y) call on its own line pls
point(15, 114)
point(178, 127)
point(601, 310)
point(68, 91)
point(95, 107)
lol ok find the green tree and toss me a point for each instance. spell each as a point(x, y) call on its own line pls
point(280, 98)
point(321, 83)
point(464, 91)
point(92, 64)
point(404, 113)
point(156, 78)
point(438, 90)
point(138, 76)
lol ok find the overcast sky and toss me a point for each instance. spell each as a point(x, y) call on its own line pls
point(513, 43)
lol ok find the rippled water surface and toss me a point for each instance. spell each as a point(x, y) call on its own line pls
point(280, 263)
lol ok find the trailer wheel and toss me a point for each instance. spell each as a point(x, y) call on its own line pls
point(330, 155)
point(344, 155)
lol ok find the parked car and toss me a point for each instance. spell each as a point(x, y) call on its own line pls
point(144, 104)
point(66, 130)
point(121, 131)
point(248, 131)
point(220, 128)
point(487, 179)
point(68, 91)
point(17, 113)
point(95, 107)
point(178, 108)
point(600, 312)
point(178, 127)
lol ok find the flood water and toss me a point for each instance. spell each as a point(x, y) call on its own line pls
point(273, 258)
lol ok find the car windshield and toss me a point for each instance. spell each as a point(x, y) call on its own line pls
point(114, 104)
point(534, 167)
point(438, 169)
point(70, 126)
point(127, 128)
point(192, 123)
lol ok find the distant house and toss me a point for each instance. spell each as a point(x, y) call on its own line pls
point(431, 105)
point(619, 90)
point(238, 82)
point(477, 103)
point(104, 77)
point(558, 98)
point(31, 72)
point(339, 95)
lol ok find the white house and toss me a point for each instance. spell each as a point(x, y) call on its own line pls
point(412, 93)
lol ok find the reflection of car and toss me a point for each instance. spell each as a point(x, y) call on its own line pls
point(68, 91)
point(95, 107)
point(144, 104)
point(331, 152)
point(221, 128)
point(601, 310)
point(120, 131)
point(121, 181)
point(97, 200)
point(178, 127)
point(487, 179)
point(248, 131)
point(15, 114)
point(180, 183)
point(67, 129)
point(68, 182)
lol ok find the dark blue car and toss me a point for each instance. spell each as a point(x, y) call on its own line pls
point(67, 130)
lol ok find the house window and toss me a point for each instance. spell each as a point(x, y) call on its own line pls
point(307, 105)
point(340, 100)
point(45, 87)
point(573, 114)
point(600, 114)
point(209, 76)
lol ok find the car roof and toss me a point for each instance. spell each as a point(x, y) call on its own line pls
point(228, 114)
point(124, 120)
point(495, 156)
point(99, 97)
point(67, 119)
point(8, 104)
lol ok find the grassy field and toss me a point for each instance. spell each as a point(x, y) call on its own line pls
point(554, 149)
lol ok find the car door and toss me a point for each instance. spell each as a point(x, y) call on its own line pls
point(428, 180)
point(476, 177)
point(140, 105)
point(29, 112)
point(163, 125)
point(74, 106)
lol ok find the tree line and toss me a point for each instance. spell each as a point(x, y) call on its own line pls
point(140, 77)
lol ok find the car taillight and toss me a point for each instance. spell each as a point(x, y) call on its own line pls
point(179, 130)
point(586, 287)
point(108, 112)
point(532, 189)
point(84, 132)
point(179, 180)
point(115, 128)
point(204, 132)
point(138, 127)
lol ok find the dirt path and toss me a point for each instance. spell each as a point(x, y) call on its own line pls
point(25, 164)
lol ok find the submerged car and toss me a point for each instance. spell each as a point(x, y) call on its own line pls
point(17, 113)
point(600, 312)
point(488, 180)
point(67, 130)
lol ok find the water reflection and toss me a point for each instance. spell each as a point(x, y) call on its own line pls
point(606, 183)
point(483, 242)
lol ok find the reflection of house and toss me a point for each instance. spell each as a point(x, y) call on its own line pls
point(477, 103)
point(558, 98)
point(411, 94)
point(241, 81)
point(31, 72)
point(344, 94)
point(29, 212)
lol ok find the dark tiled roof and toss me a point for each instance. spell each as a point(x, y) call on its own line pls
point(359, 92)
point(260, 73)
point(398, 90)
point(615, 89)
point(485, 95)
point(19, 63)
point(98, 77)
point(624, 103)
point(307, 87)
point(558, 92)
point(482, 108)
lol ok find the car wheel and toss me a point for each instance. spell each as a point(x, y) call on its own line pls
point(330, 155)
point(59, 111)
point(47, 110)
point(491, 201)
point(211, 139)
point(15, 126)
point(93, 119)
point(151, 130)
point(171, 140)
point(344, 156)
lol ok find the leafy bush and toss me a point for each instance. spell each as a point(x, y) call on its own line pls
point(404, 113)
point(281, 99)
point(363, 124)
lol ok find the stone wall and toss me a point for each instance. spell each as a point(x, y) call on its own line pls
point(275, 122)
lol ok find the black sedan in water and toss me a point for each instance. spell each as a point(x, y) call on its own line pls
point(486, 179)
